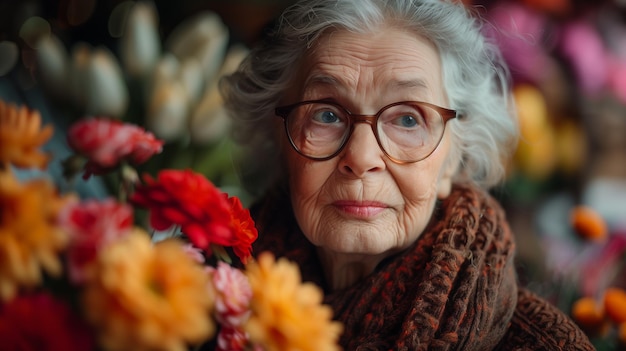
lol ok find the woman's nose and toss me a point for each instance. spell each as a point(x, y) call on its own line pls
point(361, 153)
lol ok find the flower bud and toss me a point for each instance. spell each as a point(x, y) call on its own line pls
point(105, 89)
point(173, 88)
point(165, 71)
point(169, 69)
point(140, 43)
point(191, 77)
point(209, 120)
point(77, 72)
point(52, 61)
point(168, 110)
point(204, 37)
point(96, 84)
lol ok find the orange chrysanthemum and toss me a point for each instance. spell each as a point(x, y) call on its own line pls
point(286, 313)
point(30, 239)
point(21, 136)
point(588, 223)
point(589, 315)
point(148, 297)
point(615, 304)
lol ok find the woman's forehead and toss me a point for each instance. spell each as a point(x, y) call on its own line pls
point(391, 59)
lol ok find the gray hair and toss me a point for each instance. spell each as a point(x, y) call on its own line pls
point(474, 75)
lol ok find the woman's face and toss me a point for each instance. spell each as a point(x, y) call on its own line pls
point(360, 202)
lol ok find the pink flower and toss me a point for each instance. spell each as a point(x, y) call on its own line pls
point(194, 253)
point(189, 200)
point(40, 322)
point(232, 305)
point(231, 339)
point(93, 224)
point(582, 45)
point(518, 31)
point(233, 295)
point(617, 77)
point(601, 263)
point(106, 143)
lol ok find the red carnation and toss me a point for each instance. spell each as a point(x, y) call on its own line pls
point(107, 142)
point(189, 200)
point(245, 231)
point(42, 323)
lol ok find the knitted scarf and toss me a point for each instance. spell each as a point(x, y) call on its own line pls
point(454, 289)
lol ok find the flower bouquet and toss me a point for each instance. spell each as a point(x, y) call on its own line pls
point(82, 274)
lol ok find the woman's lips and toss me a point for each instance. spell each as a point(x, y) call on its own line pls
point(361, 209)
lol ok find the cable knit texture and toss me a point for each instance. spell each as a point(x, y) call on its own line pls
point(455, 289)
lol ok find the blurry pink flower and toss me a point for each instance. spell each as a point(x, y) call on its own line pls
point(519, 33)
point(194, 252)
point(231, 339)
point(107, 142)
point(93, 224)
point(40, 322)
point(602, 265)
point(617, 78)
point(233, 295)
point(584, 48)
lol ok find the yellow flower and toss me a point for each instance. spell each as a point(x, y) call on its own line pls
point(286, 313)
point(148, 297)
point(21, 135)
point(30, 240)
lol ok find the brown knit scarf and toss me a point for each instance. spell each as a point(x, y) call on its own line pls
point(455, 289)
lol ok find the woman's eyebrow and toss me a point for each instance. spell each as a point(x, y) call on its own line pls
point(321, 79)
point(408, 83)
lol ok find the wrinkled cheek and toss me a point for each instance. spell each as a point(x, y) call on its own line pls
point(309, 221)
point(416, 218)
point(306, 185)
point(299, 202)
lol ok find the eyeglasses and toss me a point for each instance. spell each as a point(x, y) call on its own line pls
point(406, 131)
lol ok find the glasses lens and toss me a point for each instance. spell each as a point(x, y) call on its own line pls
point(409, 132)
point(317, 130)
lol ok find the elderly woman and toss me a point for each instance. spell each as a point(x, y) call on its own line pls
point(376, 128)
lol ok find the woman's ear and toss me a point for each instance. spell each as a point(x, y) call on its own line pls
point(444, 186)
point(449, 169)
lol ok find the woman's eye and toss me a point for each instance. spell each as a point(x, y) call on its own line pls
point(326, 117)
point(407, 121)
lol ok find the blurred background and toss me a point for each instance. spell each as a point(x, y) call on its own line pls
point(156, 64)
